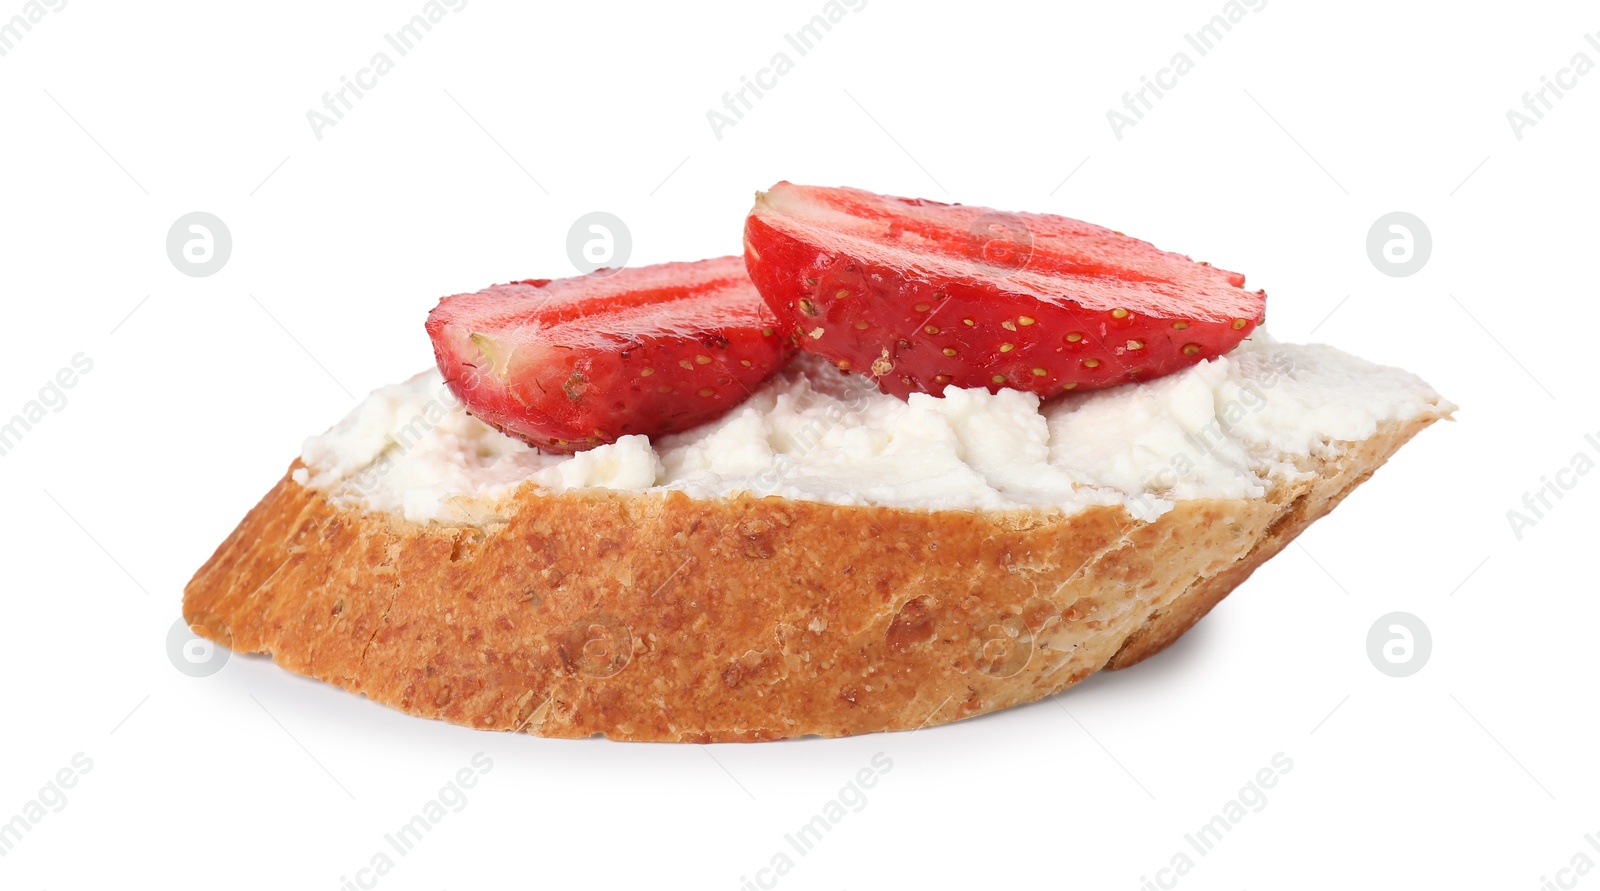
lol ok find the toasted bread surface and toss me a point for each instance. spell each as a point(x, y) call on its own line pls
point(655, 616)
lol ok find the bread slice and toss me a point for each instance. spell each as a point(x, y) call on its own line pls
point(664, 614)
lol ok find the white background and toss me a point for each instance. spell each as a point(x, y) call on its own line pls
point(466, 165)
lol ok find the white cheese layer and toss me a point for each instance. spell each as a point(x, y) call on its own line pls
point(1221, 429)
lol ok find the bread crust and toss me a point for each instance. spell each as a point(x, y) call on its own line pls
point(649, 616)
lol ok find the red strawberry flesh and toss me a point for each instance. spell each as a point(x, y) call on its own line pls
point(922, 295)
point(569, 364)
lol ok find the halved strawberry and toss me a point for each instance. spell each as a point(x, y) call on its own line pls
point(569, 364)
point(923, 295)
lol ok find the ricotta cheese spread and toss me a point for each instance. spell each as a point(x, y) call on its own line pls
point(1226, 428)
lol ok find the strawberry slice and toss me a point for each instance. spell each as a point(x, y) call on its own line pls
point(569, 364)
point(922, 295)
